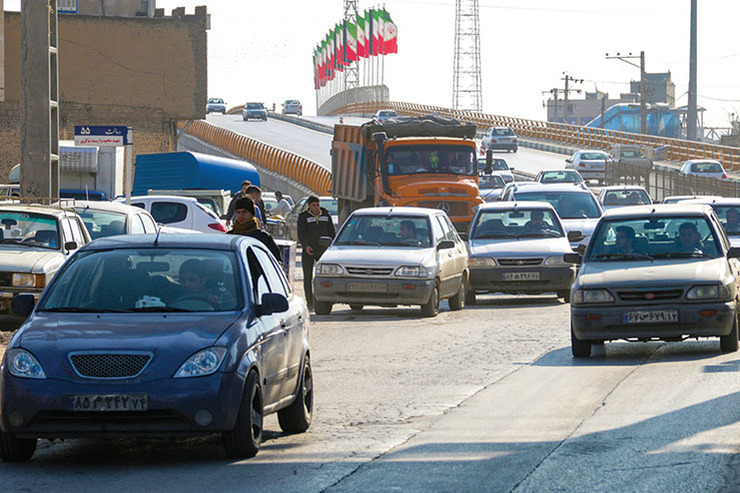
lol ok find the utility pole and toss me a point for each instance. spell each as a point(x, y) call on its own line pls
point(466, 78)
point(568, 78)
point(643, 100)
point(691, 116)
point(39, 100)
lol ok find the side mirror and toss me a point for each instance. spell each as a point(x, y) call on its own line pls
point(70, 245)
point(574, 236)
point(572, 258)
point(325, 241)
point(580, 249)
point(568, 160)
point(22, 305)
point(445, 245)
point(272, 303)
point(733, 252)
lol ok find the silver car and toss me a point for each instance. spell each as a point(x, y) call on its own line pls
point(391, 256)
point(728, 213)
point(518, 247)
point(500, 138)
point(623, 195)
point(590, 164)
point(709, 168)
point(663, 272)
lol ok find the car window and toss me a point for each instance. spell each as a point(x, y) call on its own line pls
point(272, 272)
point(66, 231)
point(77, 235)
point(437, 232)
point(497, 224)
point(147, 279)
point(169, 212)
point(569, 205)
point(654, 238)
point(490, 181)
point(102, 223)
point(430, 158)
point(626, 197)
point(260, 282)
point(30, 228)
point(593, 155)
point(395, 230)
point(446, 231)
point(502, 131)
point(140, 205)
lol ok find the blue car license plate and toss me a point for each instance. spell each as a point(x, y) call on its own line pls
point(651, 317)
point(109, 402)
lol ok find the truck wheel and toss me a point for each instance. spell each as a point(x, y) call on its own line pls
point(431, 307)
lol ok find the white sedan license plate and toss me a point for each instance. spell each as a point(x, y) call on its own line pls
point(110, 402)
point(521, 276)
point(367, 287)
point(651, 317)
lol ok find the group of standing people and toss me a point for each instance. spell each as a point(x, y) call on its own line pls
point(246, 215)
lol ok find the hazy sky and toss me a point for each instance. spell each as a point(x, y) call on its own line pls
point(261, 50)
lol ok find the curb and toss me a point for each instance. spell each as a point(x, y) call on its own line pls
point(301, 122)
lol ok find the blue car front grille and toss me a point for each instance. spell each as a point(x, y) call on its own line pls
point(109, 364)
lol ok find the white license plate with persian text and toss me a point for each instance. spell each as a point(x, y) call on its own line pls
point(521, 276)
point(110, 402)
point(367, 287)
point(651, 317)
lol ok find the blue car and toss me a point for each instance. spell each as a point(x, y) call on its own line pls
point(158, 336)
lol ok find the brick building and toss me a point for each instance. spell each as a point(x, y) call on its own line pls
point(138, 71)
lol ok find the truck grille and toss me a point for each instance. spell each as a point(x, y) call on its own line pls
point(651, 295)
point(369, 271)
point(109, 365)
point(519, 262)
point(453, 209)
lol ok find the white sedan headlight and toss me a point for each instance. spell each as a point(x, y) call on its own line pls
point(23, 364)
point(411, 271)
point(202, 363)
point(711, 292)
point(329, 270)
point(592, 296)
point(481, 262)
point(556, 261)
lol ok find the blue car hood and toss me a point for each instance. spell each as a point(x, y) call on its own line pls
point(171, 338)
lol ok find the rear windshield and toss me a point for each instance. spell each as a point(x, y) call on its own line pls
point(626, 197)
point(593, 155)
point(706, 167)
point(502, 131)
point(569, 205)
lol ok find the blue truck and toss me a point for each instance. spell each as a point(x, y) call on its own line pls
point(190, 170)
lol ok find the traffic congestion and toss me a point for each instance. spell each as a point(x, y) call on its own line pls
point(631, 270)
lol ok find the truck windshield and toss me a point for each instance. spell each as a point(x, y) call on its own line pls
point(446, 159)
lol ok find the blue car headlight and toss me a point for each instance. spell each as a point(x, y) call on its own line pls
point(23, 364)
point(202, 363)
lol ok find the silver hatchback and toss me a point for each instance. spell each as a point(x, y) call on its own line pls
point(391, 256)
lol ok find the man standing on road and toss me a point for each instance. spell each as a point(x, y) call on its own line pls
point(255, 193)
point(283, 206)
point(229, 216)
point(313, 223)
point(245, 224)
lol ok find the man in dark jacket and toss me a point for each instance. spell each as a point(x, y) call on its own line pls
point(313, 223)
point(229, 216)
point(246, 224)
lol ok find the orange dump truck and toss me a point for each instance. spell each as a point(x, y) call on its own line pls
point(412, 161)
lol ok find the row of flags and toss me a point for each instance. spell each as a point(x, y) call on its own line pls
point(373, 34)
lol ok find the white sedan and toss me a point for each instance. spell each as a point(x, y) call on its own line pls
point(704, 167)
point(180, 212)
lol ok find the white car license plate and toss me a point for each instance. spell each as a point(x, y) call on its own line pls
point(651, 317)
point(367, 287)
point(110, 402)
point(521, 276)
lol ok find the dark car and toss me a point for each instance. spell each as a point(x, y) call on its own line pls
point(159, 336)
point(254, 111)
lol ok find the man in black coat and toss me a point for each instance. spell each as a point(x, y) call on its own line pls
point(313, 223)
point(246, 224)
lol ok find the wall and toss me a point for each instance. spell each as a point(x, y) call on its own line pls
point(135, 71)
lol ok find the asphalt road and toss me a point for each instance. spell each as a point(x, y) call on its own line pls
point(488, 399)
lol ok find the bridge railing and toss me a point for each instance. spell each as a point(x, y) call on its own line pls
point(309, 173)
point(596, 138)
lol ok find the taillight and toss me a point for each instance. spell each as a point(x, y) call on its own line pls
point(218, 227)
point(724, 176)
point(581, 164)
point(514, 141)
point(493, 140)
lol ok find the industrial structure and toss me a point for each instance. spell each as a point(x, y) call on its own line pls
point(466, 76)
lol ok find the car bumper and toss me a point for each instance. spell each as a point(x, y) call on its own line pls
point(350, 290)
point(7, 295)
point(607, 322)
point(591, 174)
point(551, 279)
point(502, 146)
point(46, 407)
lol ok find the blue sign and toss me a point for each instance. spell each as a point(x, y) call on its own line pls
point(99, 135)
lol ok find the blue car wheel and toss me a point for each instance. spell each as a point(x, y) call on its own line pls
point(245, 439)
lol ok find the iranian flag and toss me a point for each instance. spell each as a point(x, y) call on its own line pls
point(390, 42)
point(361, 38)
point(370, 33)
point(350, 34)
point(329, 56)
point(378, 32)
point(323, 62)
point(316, 68)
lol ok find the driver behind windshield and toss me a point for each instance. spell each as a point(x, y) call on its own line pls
point(195, 281)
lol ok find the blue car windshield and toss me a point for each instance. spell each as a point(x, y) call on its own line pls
point(147, 280)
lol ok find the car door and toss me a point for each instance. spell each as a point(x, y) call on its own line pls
point(460, 252)
point(273, 337)
point(291, 321)
point(444, 257)
point(291, 221)
point(449, 257)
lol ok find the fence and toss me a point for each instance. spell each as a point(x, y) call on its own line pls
point(304, 171)
point(595, 138)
